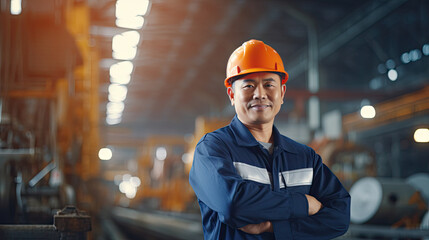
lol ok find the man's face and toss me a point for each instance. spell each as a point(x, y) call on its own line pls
point(257, 97)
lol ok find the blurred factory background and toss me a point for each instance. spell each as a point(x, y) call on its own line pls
point(103, 101)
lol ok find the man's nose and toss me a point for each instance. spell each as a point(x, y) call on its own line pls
point(259, 92)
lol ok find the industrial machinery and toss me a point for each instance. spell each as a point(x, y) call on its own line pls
point(392, 203)
point(385, 201)
point(48, 111)
point(161, 173)
point(347, 160)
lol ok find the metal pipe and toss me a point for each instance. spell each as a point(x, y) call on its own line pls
point(41, 174)
point(313, 65)
point(380, 231)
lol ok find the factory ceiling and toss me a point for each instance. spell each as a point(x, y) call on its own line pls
point(184, 46)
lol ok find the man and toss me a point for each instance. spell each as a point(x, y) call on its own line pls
point(254, 183)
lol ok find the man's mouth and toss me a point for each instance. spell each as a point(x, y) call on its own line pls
point(260, 106)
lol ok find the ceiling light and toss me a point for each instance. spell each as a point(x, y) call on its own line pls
point(390, 64)
point(367, 111)
point(126, 177)
point(122, 80)
point(415, 55)
point(130, 8)
point(128, 54)
point(425, 49)
point(116, 98)
point(421, 135)
point(113, 121)
point(131, 194)
point(105, 154)
point(117, 92)
point(15, 7)
point(126, 186)
point(120, 69)
point(117, 179)
point(114, 115)
point(135, 22)
point(115, 107)
point(135, 181)
point(381, 68)
point(186, 158)
point(405, 58)
point(375, 83)
point(392, 74)
point(125, 40)
point(161, 153)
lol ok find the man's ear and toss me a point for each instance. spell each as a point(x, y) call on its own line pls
point(283, 92)
point(230, 93)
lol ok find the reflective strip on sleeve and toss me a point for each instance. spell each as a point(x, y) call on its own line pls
point(252, 173)
point(299, 177)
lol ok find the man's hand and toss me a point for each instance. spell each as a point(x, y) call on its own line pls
point(314, 205)
point(258, 228)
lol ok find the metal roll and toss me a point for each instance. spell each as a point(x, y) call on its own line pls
point(425, 222)
point(381, 200)
point(420, 181)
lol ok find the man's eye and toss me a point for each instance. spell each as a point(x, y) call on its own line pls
point(247, 86)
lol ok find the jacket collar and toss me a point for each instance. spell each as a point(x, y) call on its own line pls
point(244, 138)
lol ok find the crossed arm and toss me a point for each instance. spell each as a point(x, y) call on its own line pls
point(313, 207)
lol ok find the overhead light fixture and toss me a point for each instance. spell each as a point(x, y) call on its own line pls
point(124, 45)
point(135, 181)
point(161, 153)
point(128, 54)
point(115, 107)
point(15, 7)
point(125, 40)
point(117, 93)
point(421, 135)
point(186, 158)
point(114, 116)
point(405, 58)
point(381, 68)
point(415, 55)
point(130, 8)
point(367, 111)
point(113, 121)
point(120, 69)
point(425, 49)
point(105, 154)
point(135, 22)
point(122, 80)
point(375, 83)
point(392, 74)
point(390, 64)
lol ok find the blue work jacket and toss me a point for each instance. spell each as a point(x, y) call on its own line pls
point(237, 182)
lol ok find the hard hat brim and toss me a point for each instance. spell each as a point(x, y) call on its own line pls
point(284, 76)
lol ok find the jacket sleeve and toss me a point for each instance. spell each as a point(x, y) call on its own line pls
point(238, 202)
point(334, 218)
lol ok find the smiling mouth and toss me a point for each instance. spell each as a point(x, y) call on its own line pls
point(259, 106)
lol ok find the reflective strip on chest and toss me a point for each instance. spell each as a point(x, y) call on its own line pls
point(293, 178)
point(249, 172)
point(299, 177)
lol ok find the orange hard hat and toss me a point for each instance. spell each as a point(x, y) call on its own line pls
point(254, 56)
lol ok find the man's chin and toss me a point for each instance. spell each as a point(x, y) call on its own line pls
point(260, 120)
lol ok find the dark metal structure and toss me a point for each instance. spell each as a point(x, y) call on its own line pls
point(69, 224)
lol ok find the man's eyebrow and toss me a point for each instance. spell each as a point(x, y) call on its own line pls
point(252, 80)
point(269, 80)
point(247, 80)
